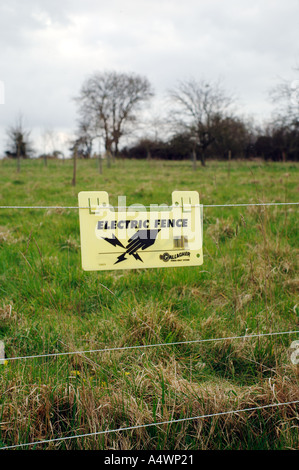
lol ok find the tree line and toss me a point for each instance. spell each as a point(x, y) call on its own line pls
point(200, 123)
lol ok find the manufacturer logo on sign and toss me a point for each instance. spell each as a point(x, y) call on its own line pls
point(166, 256)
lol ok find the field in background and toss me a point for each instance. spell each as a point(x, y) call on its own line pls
point(248, 284)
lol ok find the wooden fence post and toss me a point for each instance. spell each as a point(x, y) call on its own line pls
point(74, 166)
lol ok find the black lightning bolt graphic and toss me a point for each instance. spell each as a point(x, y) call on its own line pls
point(114, 241)
point(140, 240)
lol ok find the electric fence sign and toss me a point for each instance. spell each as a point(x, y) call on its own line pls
point(134, 237)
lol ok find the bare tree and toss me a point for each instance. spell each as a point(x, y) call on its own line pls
point(197, 105)
point(19, 144)
point(285, 123)
point(285, 96)
point(86, 134)
point(111, 100)
point(48, 144)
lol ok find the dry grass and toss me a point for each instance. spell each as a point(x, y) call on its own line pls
point(45, 412)
point(248, 284)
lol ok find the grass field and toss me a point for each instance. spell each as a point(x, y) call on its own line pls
point(247, 284)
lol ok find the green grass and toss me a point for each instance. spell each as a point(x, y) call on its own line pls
point(247, 284)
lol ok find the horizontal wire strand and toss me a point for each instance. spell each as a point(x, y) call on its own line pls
point(156, 207)
point(143, 346)
point(139, 426)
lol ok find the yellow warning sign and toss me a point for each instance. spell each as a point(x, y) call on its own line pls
point(156, 236)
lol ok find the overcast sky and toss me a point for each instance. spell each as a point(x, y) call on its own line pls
point(49, 47)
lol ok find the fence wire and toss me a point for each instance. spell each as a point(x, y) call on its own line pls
point(155, 206)
point(143, 346)
point(139, 426)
